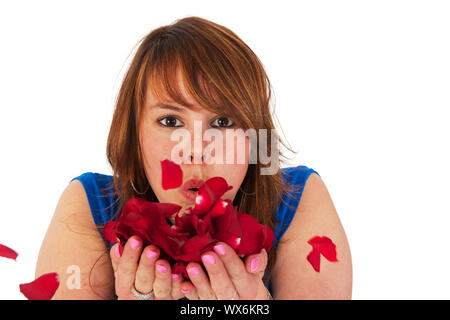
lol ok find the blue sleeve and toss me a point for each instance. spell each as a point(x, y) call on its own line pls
point(102, 204)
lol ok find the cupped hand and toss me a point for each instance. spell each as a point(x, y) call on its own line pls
point(227, 277)
point(143, 270)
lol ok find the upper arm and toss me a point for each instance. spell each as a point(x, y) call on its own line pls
point(293, 276)
point(73, 243)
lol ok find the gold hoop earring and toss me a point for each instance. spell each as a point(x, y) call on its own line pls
point(246, 193)
point(134, 188)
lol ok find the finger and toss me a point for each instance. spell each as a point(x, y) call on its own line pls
point(115, 253)
point(189, 291)
point(176, 286)
point(162, 286)
point(242, 280)
point(145, 273)
point(201, 282)
point(256, 263)
point(218, 277)
point(126, 270)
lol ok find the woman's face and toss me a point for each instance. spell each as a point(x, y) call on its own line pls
point(157, 125)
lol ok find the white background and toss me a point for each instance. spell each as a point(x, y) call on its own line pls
point(362, 93)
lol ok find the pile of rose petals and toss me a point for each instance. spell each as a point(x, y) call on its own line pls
point(43, 288)
point(184, 236)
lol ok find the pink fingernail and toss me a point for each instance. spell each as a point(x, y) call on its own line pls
point(151, 254)
point(175, 276)
point(134, 243)
point(185, 291)
point(253, 265)
point(161, 268)
point(208, 259)
point(219, 249)
point(193, 271)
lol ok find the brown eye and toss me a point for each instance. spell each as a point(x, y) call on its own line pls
point(169, 122)
point(223, 122)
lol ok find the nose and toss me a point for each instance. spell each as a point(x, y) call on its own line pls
point(198, 145)
point(197, 158)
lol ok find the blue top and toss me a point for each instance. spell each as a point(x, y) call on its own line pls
point(103, 205)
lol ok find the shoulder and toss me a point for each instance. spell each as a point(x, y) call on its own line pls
point(314, 216)
point(72, 239)
point(72, 200)
point(100, 193)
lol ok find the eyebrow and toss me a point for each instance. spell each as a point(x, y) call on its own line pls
point(169, 107)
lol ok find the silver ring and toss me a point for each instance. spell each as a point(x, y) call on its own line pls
point(235, 295)
point(141, 296)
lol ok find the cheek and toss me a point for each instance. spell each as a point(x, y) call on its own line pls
point(235, 163)
point(155, 148)
point(234, 175)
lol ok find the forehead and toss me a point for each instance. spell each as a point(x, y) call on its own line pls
point(173, 106)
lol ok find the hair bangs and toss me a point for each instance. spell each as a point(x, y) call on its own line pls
point(171, 62)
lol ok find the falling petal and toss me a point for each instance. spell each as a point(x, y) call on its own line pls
point(172, 175)
point(43, 288)
point(7, 252)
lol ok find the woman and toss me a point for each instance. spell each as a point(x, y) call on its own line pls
point(195, 75)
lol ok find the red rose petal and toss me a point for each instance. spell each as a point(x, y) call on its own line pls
point(166, 209)
point(43, 288)
point(208, 193)
point(229, 221)
point(218, 185)
point(325, 246)
point(321, 246)
point(195, 246)
point(314, 259)
point(7, 252)
point(204, 225)
point(228, 228)
point(172, 230)
point(184, 223)
point(180, 268)
point(203, 202)
point(268, 238)
point(171, 245)
point(253, 235)
point(172, 175)
point(139, 217)
point(219, 208)
point(109, 232)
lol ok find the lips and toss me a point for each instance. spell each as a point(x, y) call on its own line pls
point(190, 188)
